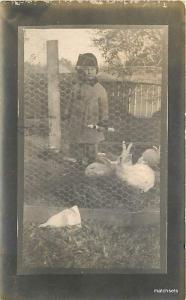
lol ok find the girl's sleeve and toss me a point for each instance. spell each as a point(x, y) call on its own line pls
point(103, 106)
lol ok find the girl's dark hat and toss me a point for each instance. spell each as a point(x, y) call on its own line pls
point(87, 59)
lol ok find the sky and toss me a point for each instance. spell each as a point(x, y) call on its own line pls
point(71, 42)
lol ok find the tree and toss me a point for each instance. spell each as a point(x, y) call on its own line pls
point(66, 64)
point(130, 47)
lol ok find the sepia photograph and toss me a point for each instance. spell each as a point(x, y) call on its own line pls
point(92, 155)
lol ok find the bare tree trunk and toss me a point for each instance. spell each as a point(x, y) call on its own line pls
point(53, 96)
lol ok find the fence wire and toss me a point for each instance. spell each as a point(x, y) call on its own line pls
point(134, 112)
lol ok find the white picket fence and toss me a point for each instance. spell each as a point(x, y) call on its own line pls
point(145, 101)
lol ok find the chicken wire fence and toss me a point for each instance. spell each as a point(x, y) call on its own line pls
point(134, 113)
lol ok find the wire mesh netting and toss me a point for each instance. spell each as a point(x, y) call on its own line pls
point(59, 178)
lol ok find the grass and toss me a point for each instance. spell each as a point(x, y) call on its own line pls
point(97, 246)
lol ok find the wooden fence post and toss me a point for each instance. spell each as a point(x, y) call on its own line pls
point(53, 96)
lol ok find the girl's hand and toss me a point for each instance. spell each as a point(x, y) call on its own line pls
point(101, 128)
point(96, 127)
point(93, 126)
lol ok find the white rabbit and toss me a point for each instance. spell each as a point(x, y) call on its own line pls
point(151, 156)
point(138, 175)
point(101, 168)
point(97, 169)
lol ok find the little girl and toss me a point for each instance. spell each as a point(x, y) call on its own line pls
point(87, 110)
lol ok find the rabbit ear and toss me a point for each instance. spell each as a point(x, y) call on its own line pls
point(129, 148)
point(124, 146)
point(157, 149)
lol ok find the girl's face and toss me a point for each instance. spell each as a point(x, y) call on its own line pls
point(90, 72)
